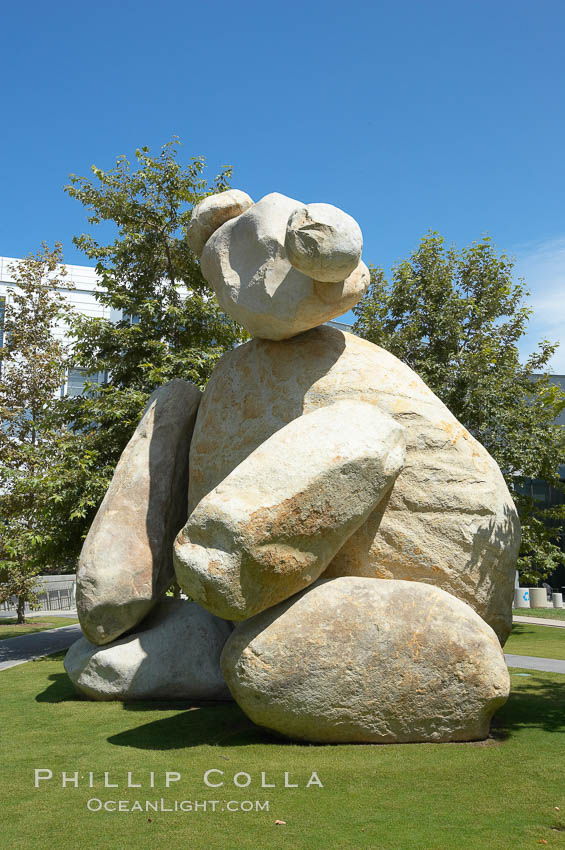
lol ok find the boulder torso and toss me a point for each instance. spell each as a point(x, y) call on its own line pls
point(449, 519)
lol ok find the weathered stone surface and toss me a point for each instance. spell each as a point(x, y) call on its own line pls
point(361, 660)
point(276, 521)
point(449, 519)
point(126, 561)
point(245, 261)
point(211, 213)
point(323, 242)
point(174, 654)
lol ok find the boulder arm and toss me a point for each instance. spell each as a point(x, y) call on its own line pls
point(272, 526)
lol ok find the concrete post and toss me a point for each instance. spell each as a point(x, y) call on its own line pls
point(538, 597)
point(521, 597)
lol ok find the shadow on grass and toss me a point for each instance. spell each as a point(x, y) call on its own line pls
point(519, 629)
point(530, 630)
point(538, 703)
point(221, 724)
point(194, 724)
point(61, 688)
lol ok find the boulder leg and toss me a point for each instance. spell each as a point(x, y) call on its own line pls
point(174, 655)
point(125, 564)
point(363, 660)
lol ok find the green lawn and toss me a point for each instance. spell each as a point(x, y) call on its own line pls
point(544, 613)
point(541, 641)
point(502, 794)
point(9, 627)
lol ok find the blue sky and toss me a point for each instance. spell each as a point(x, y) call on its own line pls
point(408, 115)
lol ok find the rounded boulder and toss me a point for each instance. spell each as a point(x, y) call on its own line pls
point(357, 660)
point(323, 242)
point(173, 654)
point(211, 213)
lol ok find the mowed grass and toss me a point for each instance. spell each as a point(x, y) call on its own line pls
point(544, 613)
point(9, 627)
point(506, 793)
point(540, 641)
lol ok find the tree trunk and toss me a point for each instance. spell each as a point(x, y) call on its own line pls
point(21, 610)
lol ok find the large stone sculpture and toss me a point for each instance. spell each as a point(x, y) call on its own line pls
point(361, 539)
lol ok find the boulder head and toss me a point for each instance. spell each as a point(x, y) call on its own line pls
point(279, 267)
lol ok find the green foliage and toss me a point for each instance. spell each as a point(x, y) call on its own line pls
point(456, 318)
point(171, 324)
point(162, 320)
point(33, 366)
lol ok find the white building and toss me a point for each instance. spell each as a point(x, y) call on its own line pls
point(80, 294)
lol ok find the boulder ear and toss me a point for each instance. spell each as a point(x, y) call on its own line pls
point(211, 213)
point(323, 242)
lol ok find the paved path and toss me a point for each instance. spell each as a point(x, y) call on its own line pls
point(529, 662)
point(16, 650)
point(539, 621)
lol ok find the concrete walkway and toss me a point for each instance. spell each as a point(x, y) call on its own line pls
point(529, 662)
point(23, 648)
point(539, 621)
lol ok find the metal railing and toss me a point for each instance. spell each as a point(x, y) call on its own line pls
point(54, 596)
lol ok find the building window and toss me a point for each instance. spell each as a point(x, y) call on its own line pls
point(78, 378)
point(119, 316)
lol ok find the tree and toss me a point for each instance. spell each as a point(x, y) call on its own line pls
point(456, 317)
point(32, 364)
point(164, 320)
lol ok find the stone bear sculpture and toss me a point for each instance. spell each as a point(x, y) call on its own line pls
point(361, 540)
